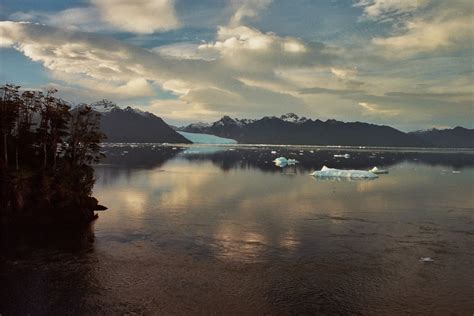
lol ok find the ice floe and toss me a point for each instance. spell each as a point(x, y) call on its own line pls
point(347, 156)
point(292, 162)
point(326, 172)
point(426, 259)
point(378, 171)
point(283, 162)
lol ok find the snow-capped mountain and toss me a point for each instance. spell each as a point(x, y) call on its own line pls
point(104, 106)
point(292, 129)
point(133, 125)
point(293, 118)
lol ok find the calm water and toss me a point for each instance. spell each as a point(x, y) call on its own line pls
point(199, 230)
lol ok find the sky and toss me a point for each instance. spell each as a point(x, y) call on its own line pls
point(404, 63)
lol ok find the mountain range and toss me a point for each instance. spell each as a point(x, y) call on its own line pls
point(130, 125)
point(294, 130)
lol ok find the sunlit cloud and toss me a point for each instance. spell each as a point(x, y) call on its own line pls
point(416, 54)
point(148, 15)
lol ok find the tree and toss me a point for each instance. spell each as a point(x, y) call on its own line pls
point(10, 104)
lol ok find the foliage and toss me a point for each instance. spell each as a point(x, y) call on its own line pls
point(46, 150)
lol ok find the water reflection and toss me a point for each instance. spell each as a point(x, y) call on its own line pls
point(227, 231)
point(40, 269)
point(262, 159)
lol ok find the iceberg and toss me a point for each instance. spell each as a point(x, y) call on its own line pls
point(292, 162)
point(426, 259)
point(378, 171)
point(283, 162)
point(347, 156)
point(280, 161)
point(326, 172)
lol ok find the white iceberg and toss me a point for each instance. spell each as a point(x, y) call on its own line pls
point(426, 259)
point(283, 162)
point(347, 156)
point(292, 162)
point(378, 171)
point(326, 172)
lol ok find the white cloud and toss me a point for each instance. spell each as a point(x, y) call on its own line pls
point(375, 109)
point(259, 52)
point(136, 16)
point(185, 51)
point(429, 35)
point(181, 111)
point(87, 18)
point(251, 74)
point(139, 16)
point(388, 9)
point(344, 73)
point(421, 26)
point(248, 9)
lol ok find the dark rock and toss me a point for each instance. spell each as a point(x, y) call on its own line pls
point(100, 207)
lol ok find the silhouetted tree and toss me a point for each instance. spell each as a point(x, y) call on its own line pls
point(9, 109)
point(53, 148)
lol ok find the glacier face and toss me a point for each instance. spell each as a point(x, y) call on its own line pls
point(207, 139)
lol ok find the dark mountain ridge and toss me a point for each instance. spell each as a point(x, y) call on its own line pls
point(458, 137)
point(130, 125)
point(293, 130)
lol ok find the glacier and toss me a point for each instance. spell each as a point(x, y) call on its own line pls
point(326, 172)
point(198, 138)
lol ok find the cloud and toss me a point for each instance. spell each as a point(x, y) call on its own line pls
point(185, 50)
point(248, 9)
point(87, 18)
point(139, 16)
point(259, 52)
point(317, 90)
point(375, 109)
point(458, 96)
point(442, 32)
point(344, 73)
point(386, 10)
point(102, 64)
point(136, 16)
point(246, 72)
point(421, 26)
point(181, 111)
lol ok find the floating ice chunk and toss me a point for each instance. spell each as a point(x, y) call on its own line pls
point(347, 156)
point(283, 162)
point(378, 171)
point(456, 171)
point(292, 162)
point(273, 152)
point(426, 259)
point(326, 172)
